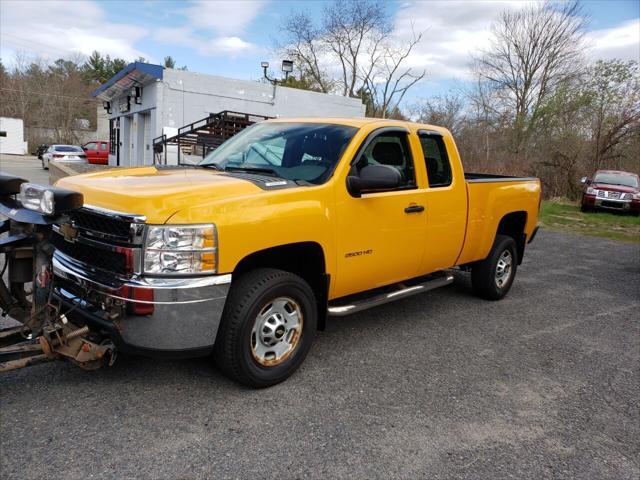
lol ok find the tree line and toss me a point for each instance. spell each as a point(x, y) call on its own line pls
point(536, 105)
point(57, 96)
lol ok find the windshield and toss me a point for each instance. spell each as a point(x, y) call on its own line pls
point(616, 179)
point(294, 151)
point(67, 148)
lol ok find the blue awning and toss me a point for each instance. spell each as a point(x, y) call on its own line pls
point(136, 73)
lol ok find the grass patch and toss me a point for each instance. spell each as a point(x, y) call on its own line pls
point(564, 216)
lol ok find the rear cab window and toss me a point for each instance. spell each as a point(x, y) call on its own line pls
point(67, 148)
point(436, 159)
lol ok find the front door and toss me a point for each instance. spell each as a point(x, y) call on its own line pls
point(381, 235)
point(91, 150)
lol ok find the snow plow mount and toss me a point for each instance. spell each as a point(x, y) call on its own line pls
point(43, 332)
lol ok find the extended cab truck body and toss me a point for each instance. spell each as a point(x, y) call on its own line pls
point(245, 254)
point(97, 152)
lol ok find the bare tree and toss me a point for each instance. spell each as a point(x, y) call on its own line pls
point(614, 88)
point(386, 80)
point(351, 30)
point(353, 53)
point(532, 52)
point(446, 110)
point(305, 46)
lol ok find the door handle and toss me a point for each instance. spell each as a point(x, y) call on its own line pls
point(414, 209)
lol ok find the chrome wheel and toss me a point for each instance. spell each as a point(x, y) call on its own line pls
point(276, 331)
point(504, 269)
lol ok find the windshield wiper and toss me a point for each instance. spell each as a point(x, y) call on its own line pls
point(265, 170)
point(210, 165)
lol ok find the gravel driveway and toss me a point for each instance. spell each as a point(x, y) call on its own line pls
point(544, 384)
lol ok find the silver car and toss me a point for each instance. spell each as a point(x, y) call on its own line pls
point(63, 153)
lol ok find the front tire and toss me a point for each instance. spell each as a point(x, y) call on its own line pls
point(267, 328)
point(492, 277)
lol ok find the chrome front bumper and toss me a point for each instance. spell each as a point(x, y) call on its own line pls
point(179, 315)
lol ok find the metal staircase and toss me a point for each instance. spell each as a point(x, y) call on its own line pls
point(195, 140)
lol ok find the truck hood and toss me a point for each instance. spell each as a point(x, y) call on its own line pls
point(154, 192)
point(614, 188)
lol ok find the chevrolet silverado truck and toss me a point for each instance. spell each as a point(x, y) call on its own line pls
point(246, 254)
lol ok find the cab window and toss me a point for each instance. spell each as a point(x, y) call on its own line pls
point(91, 146)
point(103, 147)
point(390, 149)
point(436, 160)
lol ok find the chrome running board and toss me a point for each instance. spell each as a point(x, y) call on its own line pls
point(355, 306)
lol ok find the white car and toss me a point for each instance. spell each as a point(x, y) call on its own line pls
point(63, 153)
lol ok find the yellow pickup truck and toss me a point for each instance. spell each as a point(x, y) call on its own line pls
point(246, 254)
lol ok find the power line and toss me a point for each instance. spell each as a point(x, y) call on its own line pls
point(42, 94)
point(26, 41)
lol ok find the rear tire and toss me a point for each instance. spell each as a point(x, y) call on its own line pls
point(492, 277)
point(267, 328)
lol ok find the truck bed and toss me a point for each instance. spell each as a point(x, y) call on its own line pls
point(489, 178)
point(490, 198)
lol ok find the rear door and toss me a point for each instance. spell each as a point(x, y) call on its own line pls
point(446, 202)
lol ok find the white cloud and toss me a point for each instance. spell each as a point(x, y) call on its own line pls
point(621, 42)
point(226, 18)
point(213, 28)
point(210, 47)
point(453, 30)
point(55, 29)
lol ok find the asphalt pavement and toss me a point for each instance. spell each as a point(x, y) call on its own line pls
point(543, 384)
point(25, 166)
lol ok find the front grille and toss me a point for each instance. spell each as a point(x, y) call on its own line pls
point(91, 221)
point(110, 261)
point(613, 194)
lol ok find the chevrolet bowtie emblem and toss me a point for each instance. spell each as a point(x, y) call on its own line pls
point(68, 232)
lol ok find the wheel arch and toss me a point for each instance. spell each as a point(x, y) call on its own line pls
point(513, 225)
point(305, 259)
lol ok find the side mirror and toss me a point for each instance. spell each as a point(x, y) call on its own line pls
point(373, 178)
point(583, 180)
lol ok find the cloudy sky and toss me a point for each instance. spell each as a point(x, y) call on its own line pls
point(230, 38)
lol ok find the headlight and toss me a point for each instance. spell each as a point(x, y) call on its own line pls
point(636, 196)
point(180, 250)
point(592, 191)
point(49, 200)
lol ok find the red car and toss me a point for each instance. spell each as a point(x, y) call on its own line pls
point(611, 190)
point(97, 152)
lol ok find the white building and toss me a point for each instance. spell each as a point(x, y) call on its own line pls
point(146, 101)
point(12, 136)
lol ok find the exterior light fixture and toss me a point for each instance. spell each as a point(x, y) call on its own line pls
point(287, 68)
point(107, 106)
point(136, 93)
